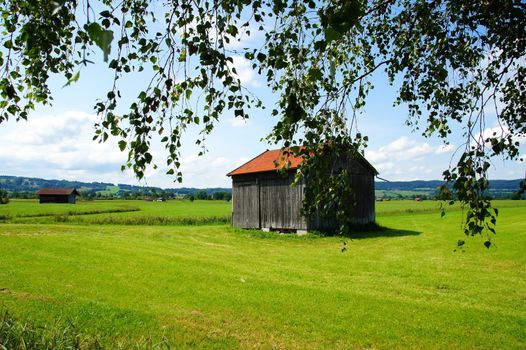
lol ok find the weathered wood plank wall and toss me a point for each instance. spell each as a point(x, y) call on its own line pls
point(57, 198)
point(245, 204)
point(267, 200)
point(281, 203)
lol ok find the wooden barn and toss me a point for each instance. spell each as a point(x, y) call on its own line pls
point(57, 195)
point(263, 198)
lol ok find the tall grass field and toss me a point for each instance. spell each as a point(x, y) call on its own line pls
point(113, 274)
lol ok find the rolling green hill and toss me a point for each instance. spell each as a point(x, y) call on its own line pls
point(32, 185)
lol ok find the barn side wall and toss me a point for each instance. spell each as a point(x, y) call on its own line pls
point(267, 200)
point(362, 186)
point(245, 204)
point(281, 204)
point(72, 198)
point(364, 211)
point(48, 198)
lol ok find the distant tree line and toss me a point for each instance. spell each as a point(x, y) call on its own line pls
point(204, 195)
point(26, 187)
point(436, 195)
point(30, 184)
point(20, 194)
point(212, 194)
point(154, 194)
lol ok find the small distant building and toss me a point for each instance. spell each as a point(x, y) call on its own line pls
point(263, 198)
point(57, 195)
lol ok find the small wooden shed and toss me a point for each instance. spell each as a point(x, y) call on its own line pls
point(263, 198)
point(57, 195)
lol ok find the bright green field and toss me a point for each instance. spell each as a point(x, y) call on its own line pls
point(124, 212)
point(31, 208)
point(216, 287)
point(26, 210)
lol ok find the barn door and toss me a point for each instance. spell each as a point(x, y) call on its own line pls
point(280, 204)
point(246, 205)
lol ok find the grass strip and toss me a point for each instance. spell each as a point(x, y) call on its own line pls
point(155, 220)
point(76, 213)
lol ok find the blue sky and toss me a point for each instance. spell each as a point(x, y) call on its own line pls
point(56, 141)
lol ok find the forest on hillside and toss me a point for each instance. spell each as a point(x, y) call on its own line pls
point(26, 187)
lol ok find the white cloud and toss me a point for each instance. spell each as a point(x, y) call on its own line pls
point(221, 161)
point(59, 146)
point(241, 161)
point(244, 71)
point(419, 169)
point(407, 159)
point(375, 156)
point(443, 149)
point(404, 148)
point(382, 167)
point(205, 171)
point(498, 132)
point(502, 131)
point(42, 130)
point(238, 122)
point(243, 39)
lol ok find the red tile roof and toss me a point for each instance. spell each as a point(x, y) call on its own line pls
point(57, 191)
point(265, 162)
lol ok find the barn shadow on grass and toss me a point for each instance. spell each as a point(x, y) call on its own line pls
point(372, 231)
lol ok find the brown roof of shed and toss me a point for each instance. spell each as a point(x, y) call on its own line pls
point(57, 191)
point(268, 160)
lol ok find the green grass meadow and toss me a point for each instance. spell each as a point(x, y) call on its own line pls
point(207, 285)
point(119, 212)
